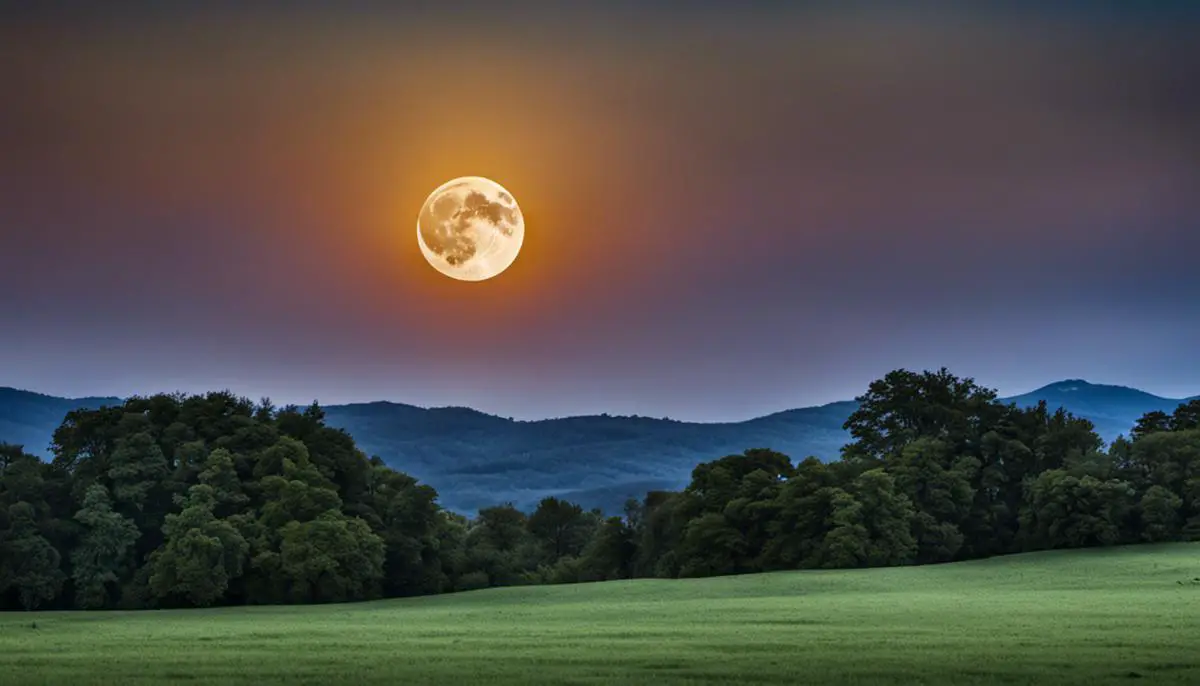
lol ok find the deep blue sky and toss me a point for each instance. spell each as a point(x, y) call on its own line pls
point(732, 208)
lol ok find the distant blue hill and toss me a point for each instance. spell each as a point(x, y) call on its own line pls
point(1113, 409)
point(29, 419)
point(475, 459)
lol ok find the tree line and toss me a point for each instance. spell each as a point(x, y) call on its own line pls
point(182, 501)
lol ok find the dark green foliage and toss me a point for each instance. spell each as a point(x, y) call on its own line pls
point(210, 500)
point(104, 550)
point(562, 528)
point(30, 565)
point(1066, 511)
point(330, 558)
point(213, 500)
point(805, 508)
point(871, 524)
point(905, 406)
point(611, 551)
point(201, 553)
point(1185, 418)
point(477, 460)
point(499, 544)
point(1160, 509)
point(939, 486)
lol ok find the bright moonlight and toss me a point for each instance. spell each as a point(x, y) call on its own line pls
point(470, 228)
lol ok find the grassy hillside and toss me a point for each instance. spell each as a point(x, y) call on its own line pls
point(1099, 616)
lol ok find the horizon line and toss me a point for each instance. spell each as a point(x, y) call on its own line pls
point(663, 417)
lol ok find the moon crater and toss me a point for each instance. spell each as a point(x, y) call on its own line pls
point(470, 228)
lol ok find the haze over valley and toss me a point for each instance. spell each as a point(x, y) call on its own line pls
point(477, 459)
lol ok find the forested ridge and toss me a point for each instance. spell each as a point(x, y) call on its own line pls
point(176, 501)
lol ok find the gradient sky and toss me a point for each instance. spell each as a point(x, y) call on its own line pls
point(732, 208)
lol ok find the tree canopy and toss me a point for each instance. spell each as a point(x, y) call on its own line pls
point(182, 501)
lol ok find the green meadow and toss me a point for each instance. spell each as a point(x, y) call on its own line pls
point(1093, 616)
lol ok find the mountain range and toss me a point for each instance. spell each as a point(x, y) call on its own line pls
point(476, 459)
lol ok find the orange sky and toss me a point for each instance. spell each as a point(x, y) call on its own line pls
point(727, 213)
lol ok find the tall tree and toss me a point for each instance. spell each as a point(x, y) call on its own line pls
point(28, 562)
point(406, 516)
point(662, 519)
point(103, 555)
point(904, 406)
point(939, 485)
point(1170, 459)
point(610, 552)
point(500, 546)
point(805, 512)
point(201, 553)
point(710, 546)
point(562, 528)
point(887, 514)
point(220, 474)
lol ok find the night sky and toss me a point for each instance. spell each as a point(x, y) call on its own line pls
point(731, 208)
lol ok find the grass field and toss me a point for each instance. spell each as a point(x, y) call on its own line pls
point(1083, 617)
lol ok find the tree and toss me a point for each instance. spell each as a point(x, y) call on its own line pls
point(212, 499)
point(1151, 422)
point(716, 483)
point(200, 477)
point(710, 546)
point(294, 492)
point(201, 554)
point(137, 471)
point(220, 474)
point(1066, 511)
point(940, 489)
point(101, 557)
point(741, 490)
point(869, 525)
point(905, 406)
point(610, 552)
point(1186, 417)
point(406, 516)
point(990, 527)
point(331, 558)
point(561, 527)
point(847, 542)
point(450, 542)
point(804, 514)
point(1170, 459)
point(752, 512)
point(1160, 514)
point(299, 492)
point(662, 519)
point(22, 480)
point(29, 564)
point(1064, 439)
point(887, 515)
point(499, 544)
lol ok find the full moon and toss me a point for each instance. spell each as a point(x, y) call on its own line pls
point(470, 228)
